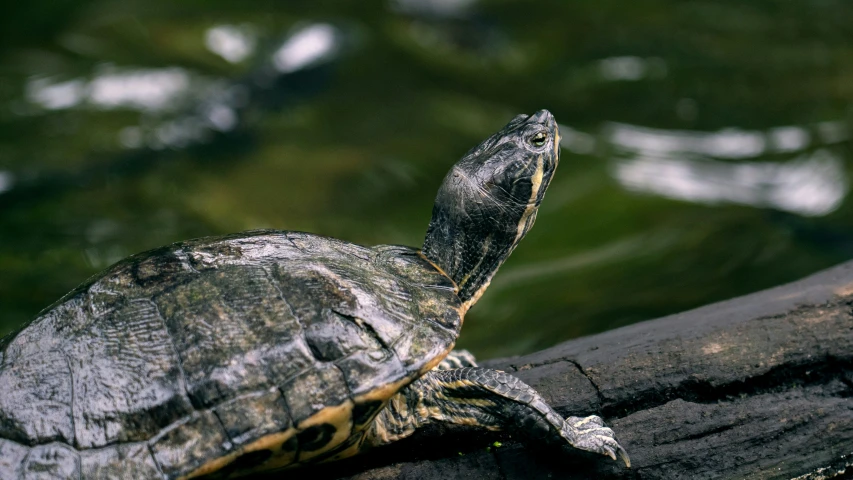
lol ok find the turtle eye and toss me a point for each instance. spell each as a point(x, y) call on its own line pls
point(538, 139)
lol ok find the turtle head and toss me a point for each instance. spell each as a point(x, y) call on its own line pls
point(488, 201)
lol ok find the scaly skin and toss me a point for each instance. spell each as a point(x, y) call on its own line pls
point(457, 359)
point(490, 399)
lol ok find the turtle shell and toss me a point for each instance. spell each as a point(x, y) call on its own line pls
point(229, 354)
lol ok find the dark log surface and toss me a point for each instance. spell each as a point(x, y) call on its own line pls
point(758, 387)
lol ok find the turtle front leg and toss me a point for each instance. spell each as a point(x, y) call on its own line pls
point(457, 359)
point(491, 399)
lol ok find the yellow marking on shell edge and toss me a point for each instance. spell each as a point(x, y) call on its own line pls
point(384, 393)
point(268, 442)
point(434, 362)
point(271, 442)
point(211, 466)
point(348, 452)
point(274, 443)
point(327, 415)
point(340, 417)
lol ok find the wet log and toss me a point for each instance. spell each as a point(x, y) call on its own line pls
point(756, 387)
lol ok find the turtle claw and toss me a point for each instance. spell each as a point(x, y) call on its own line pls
point(590, 434)
point(624, 456)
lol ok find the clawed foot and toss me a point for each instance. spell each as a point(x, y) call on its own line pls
point(590, 434)
point(497, 400)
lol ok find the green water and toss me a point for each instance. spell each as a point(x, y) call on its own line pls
point(707, 148)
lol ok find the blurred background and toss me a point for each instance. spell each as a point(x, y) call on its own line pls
point(706, 144)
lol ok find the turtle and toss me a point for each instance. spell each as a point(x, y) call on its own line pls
point(225, 356)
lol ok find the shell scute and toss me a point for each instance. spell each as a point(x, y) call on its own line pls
point(208, 351)
point(254, 415)
point(366, 370)
point(222, 324)
point(422, 344)
point(54, 460)
point(190, 444)
point(126, 377)
point(12, 456)
point(35, 401)
point(314, 390)
point(128, 460)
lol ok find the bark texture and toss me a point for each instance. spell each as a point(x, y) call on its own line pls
point(758, 387)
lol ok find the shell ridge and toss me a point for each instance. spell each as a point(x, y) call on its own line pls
point(346, 384)
point(275, 283)
point(368, 328)
point(73, 438)
point(328, 267)
point(25, 461)
point(182, 378)
point(292, 242)
point(154, 459)
point(230, 448)
point(181, 254)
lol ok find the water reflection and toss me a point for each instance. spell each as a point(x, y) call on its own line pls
point(631, 68)
point(833, 132)
point(56, 96)
point(813, 184)
point(680, 165)
point(789, 139)
point(729, 143)
point(181, 109)
point(131, 131)
point(141, 89)
point(6, 181)
point(306, 47)
point(231, 42)
point(144, 89)
point(184, 108)
point(438, 8)
point(576, 141)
